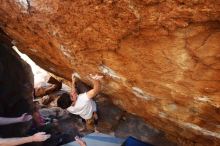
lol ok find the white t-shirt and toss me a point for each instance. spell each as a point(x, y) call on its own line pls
point(84, 107)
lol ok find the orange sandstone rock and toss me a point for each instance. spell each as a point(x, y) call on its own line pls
point(160, 58)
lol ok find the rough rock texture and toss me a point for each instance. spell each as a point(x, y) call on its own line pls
point(131, 125)
point(16, 86)
point(161, 58)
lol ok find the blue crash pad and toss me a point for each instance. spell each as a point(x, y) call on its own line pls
point(131, 141)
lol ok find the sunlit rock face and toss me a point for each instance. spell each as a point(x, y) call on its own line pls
point(160, 58)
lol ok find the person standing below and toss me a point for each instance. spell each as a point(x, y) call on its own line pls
point(23, 118)
point(37, 137)
point(82, 104)
point(80, 141)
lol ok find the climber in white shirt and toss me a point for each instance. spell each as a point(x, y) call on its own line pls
point(82, 104)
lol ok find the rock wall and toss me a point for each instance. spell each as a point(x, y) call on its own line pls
point(16, 87)
point(160, 58)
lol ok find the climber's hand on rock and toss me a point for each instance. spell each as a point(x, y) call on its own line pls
point(95, 77)
point(74, 77)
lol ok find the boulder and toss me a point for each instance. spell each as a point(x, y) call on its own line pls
point(160, 58)
point(16, 87)
point(47, 87)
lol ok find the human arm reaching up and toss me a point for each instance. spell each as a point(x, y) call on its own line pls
point(96, 86)
point(23, 118)
point(40, 136)
point(73, 85)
